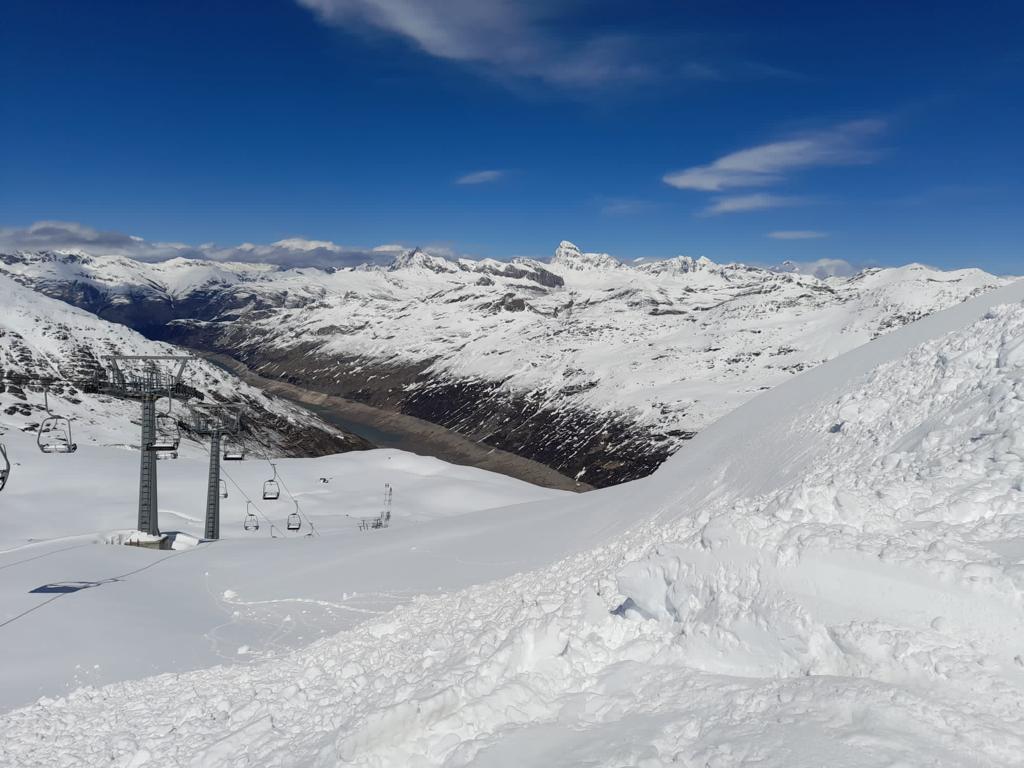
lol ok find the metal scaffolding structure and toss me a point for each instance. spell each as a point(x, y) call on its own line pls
point(215, 421)
point(142, 378)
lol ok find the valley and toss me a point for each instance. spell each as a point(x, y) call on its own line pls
point(595, 369)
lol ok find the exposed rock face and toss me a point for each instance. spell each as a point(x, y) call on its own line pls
point(591, 366)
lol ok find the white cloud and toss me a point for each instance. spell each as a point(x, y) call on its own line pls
point(821, 268)
point(758, 201)
point(480, 177)
point(510, 37)
point(768, 164)
point(289, 252)
point(796, 234)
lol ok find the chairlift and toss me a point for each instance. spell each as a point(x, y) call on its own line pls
point(233, 450)
point(168, 433)
point(54, 434)
point(223, 489)
point(294, 519)
point(271, 489)
point(251, 522)
point(5, 466)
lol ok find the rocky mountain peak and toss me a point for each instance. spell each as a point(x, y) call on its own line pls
point(569, 256)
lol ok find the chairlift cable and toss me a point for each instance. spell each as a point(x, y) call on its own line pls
point(298, 509)
point(245, 496)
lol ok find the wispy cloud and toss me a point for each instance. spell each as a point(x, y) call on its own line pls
point(757, 201)
point(796, 234)
point(768, 164)
point(480, 177)
point(508, 37)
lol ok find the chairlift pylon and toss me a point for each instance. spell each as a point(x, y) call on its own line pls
point(271, 489)
point(5, 466)
point(54, 435)
point(294, 519)
point(251, 522)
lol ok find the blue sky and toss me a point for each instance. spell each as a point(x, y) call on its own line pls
point(874, 132)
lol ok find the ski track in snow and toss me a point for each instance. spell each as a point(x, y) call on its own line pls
point(865, 610)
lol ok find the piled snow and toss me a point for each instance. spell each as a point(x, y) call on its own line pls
point(830, 575)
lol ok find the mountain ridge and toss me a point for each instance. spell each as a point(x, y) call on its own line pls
point(596, 368)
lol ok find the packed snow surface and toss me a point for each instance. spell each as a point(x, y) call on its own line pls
point(830, 575)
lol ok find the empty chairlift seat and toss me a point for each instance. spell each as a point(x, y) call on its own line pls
point(233, 451)
point(54, 435)
point(168, 434)
point(5, 466)
point(271, 488)
point(223, 489)
point(294, 522)
point(251, 522)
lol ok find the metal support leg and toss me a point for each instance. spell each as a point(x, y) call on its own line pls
point(213, 489)
point(148, 521)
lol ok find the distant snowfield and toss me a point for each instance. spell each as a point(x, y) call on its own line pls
point(832, 574)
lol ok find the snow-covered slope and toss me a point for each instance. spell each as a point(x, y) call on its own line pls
point(832, 574)
point(42, 339)
point(595, 368)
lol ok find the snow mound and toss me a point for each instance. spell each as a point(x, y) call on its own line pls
point(838, 582)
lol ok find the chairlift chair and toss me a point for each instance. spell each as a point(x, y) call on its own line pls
point(54, 435)
point(223, 489)
point(5, 466)
point(294, 522)
point(168, 433)
point(271, 489)
point(233, 451)
point(251, 522)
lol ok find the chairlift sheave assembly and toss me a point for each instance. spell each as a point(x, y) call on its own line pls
point(271, 488)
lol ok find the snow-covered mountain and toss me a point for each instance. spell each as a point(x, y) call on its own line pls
point(831, 574)
point(43, 340)
point(596, 368)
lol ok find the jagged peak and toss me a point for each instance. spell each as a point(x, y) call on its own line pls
point(680, 265)
point(417, 258)
point(569, 255)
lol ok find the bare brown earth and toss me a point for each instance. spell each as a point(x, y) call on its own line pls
point(411, 433)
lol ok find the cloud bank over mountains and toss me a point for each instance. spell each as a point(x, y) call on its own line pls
point(290, 252)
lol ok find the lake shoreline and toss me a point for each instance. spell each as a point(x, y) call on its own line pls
point(387, 429)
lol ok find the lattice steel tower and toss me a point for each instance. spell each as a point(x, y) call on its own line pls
point(147, 382)
point(214, 421)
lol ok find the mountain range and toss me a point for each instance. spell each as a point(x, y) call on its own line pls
point(594, 367)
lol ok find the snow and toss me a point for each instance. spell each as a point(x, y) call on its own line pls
point(42, 338)
point(673, 344)
point(832, 574)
